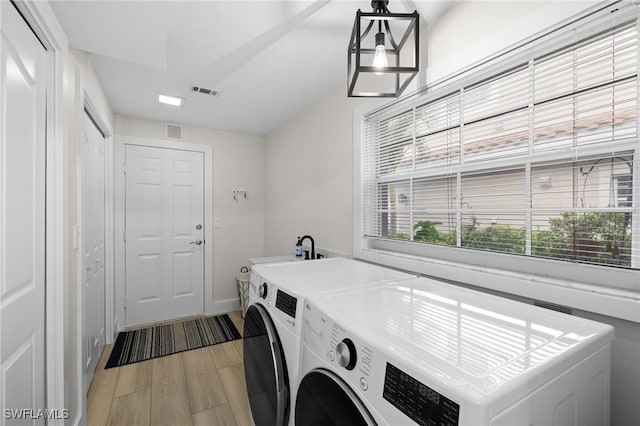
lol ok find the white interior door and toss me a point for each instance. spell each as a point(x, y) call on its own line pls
point(164, 234)
point(22, 213)
point(92, 184)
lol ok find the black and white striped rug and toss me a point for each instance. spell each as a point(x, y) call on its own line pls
point(166, 339)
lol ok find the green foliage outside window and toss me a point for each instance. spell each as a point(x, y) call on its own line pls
point(601, 238)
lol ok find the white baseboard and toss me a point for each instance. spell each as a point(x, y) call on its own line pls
point(223, 306)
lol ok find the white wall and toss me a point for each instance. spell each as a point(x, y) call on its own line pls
point(309, 179)
point(489, 27)
point(238, 164)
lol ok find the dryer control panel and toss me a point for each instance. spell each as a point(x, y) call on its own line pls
point(286, 303)
point(418, 401)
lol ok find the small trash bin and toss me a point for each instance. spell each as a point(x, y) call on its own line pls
point(243, 289)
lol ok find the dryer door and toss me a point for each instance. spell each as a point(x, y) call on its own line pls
point(265, 369)
point(324, 399)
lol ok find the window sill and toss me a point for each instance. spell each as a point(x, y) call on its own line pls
point(612, 302)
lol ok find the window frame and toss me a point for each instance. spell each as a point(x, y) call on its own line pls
point(574, 284)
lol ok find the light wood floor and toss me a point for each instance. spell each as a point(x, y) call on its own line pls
point(198, 387)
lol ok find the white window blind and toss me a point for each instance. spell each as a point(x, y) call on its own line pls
point(536, 160)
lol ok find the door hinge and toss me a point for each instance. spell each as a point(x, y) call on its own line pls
point(124, 303)
point(124, 235)
point(124, 168)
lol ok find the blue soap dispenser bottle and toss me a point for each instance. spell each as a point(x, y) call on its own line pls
point(299, 248)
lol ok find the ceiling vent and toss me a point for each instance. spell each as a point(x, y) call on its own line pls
point(204, 91)
point(173, 131)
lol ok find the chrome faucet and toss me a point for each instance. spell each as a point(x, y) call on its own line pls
point(313, 246)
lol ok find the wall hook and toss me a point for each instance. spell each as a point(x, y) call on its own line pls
point(239, 193)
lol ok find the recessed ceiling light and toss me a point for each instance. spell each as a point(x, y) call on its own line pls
point(169, 100)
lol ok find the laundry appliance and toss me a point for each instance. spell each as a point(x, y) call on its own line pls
point(425, 352)
point(273, 324)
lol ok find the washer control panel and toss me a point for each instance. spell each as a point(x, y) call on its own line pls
point(422, 404)
point(344, 351)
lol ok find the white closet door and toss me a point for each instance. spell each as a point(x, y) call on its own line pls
point(92, 231)
point(22, 213)
point(164, 219)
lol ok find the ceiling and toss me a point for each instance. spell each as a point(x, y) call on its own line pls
point(268, 60)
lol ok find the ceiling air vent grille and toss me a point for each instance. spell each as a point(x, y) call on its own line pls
point(204, 91)
point(173, 131)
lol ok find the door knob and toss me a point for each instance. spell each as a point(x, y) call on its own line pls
point(196, 242)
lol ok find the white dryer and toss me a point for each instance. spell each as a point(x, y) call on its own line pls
point(424, 352)
point(273, 326)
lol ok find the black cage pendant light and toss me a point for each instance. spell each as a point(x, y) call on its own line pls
point(383, 52)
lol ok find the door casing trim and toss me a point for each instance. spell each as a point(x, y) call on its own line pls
point(84, 101)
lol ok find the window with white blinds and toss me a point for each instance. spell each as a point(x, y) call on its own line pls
point(537, 160)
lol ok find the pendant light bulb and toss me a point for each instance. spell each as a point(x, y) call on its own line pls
point(380, 55)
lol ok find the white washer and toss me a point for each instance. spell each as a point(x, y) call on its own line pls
point(273, 326)
point(429, 353)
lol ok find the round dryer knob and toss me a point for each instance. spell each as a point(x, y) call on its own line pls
point(263, 290)
point(346, 354)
